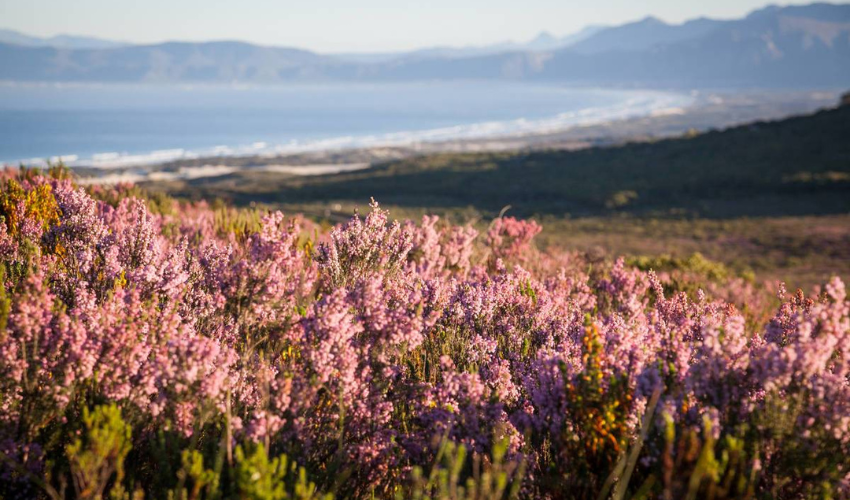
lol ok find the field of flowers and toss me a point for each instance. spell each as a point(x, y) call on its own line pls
point(156, 349)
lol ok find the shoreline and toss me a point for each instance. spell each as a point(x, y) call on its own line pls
point(712, 111)
point(267, 121)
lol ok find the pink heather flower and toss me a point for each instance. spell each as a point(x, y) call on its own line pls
point(509, 237)
point(389, 336)
point(361, 246)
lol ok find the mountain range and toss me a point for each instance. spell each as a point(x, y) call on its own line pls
point(795, 46)
point(542, 42)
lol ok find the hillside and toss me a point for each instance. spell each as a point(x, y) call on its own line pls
point(796, 166)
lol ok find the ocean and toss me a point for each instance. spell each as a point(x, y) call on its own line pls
point(121, 125)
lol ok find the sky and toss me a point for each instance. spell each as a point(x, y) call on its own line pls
point(344, 25)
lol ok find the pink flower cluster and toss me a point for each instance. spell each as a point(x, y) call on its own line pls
point(357, 351)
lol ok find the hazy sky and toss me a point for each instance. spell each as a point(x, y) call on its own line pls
point(344, 25)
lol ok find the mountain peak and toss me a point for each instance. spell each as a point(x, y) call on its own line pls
point(545, 37)
point(651, 21)
point(766, 10)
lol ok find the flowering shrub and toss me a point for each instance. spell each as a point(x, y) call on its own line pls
point(151, 348)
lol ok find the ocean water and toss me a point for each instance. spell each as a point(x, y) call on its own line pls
point(120, 125)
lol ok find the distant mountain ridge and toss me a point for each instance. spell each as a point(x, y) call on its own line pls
point(644, 34)
point(795, 46)
point(543, 41)
point(58, 41)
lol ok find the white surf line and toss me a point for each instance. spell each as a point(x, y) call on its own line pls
point(316, 169)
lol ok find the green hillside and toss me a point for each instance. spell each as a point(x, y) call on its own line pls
point(797, 166)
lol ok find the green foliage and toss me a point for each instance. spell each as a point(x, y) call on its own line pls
point(456, 476)
point(241, 223)
point(259, 478)
point(697, 465)
point(195, 480)
point(621, 199)
point(696, 263)
point(96, 458)
point(5, 302)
